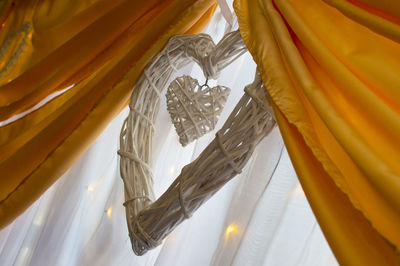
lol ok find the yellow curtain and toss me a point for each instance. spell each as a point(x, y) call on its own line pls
point(332, 68)
point(83, 58)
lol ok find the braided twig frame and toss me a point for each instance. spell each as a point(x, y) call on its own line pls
point(149, 221)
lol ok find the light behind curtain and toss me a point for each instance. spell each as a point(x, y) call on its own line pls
point(67, 69)
point(80, 220)
point(332, 69)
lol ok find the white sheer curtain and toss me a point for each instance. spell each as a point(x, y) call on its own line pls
point(259, 218)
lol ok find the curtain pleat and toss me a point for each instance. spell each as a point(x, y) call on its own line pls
point(84, 78)
point(335, 83)
point(377, 20)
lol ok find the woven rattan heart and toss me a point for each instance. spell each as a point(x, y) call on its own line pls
point(149, 220)
point(194, 109)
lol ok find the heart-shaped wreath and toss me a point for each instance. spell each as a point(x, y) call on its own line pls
point(149, 220)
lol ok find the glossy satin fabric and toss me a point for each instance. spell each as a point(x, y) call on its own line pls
point(332, 68)
point(93, 52)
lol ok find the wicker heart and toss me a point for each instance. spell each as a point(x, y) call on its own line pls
point(149, 220)
point(194, 109)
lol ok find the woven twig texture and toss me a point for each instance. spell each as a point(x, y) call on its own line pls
point(194, 109)
point(224, 157)
point(137, 133)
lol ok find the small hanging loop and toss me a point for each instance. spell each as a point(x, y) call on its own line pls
point(205, 84)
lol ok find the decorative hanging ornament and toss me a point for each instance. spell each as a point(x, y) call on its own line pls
point(194, 109)
point(149, 220)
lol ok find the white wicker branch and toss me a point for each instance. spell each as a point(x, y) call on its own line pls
point(150, 222)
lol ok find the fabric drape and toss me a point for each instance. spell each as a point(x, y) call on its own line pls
point(67, 69)
point(271, 222)
point(332, 69)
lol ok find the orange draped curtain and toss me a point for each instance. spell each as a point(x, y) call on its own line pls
point(82, 58)
point(332, 68)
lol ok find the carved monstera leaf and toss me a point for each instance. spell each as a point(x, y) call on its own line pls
point(194, 109)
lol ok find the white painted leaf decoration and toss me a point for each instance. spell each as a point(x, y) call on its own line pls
point(194, 109)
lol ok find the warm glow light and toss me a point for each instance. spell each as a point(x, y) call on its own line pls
point(90, 188)
point(172, 170)
point(231, 229)
point(109, 210)
point(298, 191)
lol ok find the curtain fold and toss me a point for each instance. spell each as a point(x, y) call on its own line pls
point(377, 20)
point(335, 83)
point(79, 64)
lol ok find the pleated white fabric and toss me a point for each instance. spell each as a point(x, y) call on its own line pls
point(259, 218)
